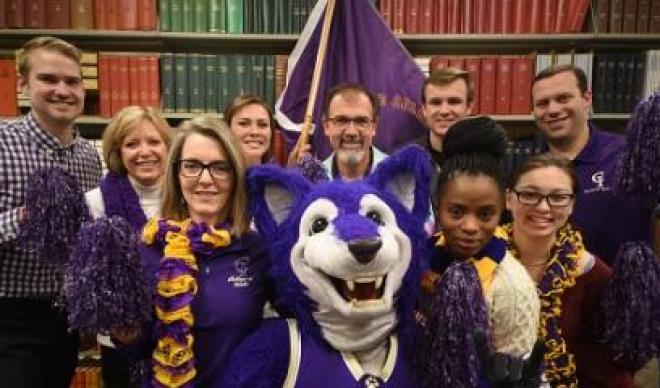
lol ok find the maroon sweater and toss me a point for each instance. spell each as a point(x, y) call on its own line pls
point(595, 367)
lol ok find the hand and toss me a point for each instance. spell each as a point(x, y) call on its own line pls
point(297, 154)
point(22, 214)
point(125, 335)
point(507, 371)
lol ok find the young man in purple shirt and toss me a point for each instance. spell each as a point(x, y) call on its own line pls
point(561, 107)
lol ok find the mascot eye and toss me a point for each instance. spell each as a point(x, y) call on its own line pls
point(318, 226)
point(375, 217)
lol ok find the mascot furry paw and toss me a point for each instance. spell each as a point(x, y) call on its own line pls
point(346, 266)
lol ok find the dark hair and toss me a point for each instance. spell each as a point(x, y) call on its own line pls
point(543, 160)
point(240, 102)
point(446, 76)
point(474, 146)
point(556, 69)
point(351, 88)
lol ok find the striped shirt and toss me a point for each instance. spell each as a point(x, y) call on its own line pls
point(24, 148)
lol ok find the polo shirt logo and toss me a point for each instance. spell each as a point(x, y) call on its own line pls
point(241, 277)
point(598, 178)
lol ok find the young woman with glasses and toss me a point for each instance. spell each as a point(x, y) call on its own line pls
point(569, 279)
point(210, 281)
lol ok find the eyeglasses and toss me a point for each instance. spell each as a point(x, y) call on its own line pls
point(191, 168)
point(361, 122)
point(532, 198)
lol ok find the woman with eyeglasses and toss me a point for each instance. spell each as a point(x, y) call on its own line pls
point(473, 285)
point(569, 279)
point(251, 121)
point(210, 281)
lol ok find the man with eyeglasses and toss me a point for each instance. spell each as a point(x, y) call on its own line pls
point(349, 122)
point(561, 102)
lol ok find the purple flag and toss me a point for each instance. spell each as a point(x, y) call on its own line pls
point(362, 49)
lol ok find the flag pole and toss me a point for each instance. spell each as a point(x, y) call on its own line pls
point(316, 77)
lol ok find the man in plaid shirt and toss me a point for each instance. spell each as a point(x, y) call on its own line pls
point(36, 348)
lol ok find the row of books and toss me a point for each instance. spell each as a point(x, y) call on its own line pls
point(622, 79)
point(627, 16)
point(79, 14)
point(127, 80)
point(207, 83)
point(484, 16)
point(235, 16)
point(502, 84)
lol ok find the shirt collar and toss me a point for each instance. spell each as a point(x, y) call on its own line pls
point(46, 138)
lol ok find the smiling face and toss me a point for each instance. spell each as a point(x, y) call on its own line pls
point(252, 127)
point(54, 86)
point(143, 153)
point(351, 128)
point(445, 105)
point(560, 108)
point(540, 220)
point(206, 196)
point(469, 210)
point(370, 256)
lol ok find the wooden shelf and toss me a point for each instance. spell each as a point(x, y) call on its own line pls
point(418, 44)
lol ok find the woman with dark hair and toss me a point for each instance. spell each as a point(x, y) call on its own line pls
point(570, 280)
point(251, 121)
point(473, 285)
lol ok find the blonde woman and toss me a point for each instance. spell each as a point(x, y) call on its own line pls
point(135, 146)
point(211, 279)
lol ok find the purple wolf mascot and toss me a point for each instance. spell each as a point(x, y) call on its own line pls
point(346, 262)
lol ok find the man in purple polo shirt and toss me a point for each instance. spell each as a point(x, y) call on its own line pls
point(561, 108)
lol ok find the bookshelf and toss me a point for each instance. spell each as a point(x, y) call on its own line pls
point(417, 44)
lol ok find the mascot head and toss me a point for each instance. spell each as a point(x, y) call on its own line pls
point(346, 255)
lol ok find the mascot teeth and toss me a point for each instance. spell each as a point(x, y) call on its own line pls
point(362, 289)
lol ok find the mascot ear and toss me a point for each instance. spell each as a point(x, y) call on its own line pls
point(273, 192)
point(406, 175)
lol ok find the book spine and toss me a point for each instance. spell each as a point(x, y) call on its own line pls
point(503, 84)
point(488, 85)
point(127, 17)
point(35, 14)
point(146, 15)
point(201, 16)
point(235, 16)
point(522, 86)
point(164, 16)
point(8, 99)
point(134, 80)
point(211, 97)
point(181, 82)
point(629, 16)
point(59, 14)
point(473, 66)
point(15, 13)
point(217, 16)
point(167, 80)
point(105, 105)
point(176, 15)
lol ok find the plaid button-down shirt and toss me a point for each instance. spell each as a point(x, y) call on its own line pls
point(24, 148)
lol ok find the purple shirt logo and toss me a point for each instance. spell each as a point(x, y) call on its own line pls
point(599, 179)
point(241, 277)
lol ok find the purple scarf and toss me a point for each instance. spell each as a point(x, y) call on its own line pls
point(120, 199)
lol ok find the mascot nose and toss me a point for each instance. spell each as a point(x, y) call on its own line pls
point(364, 249)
